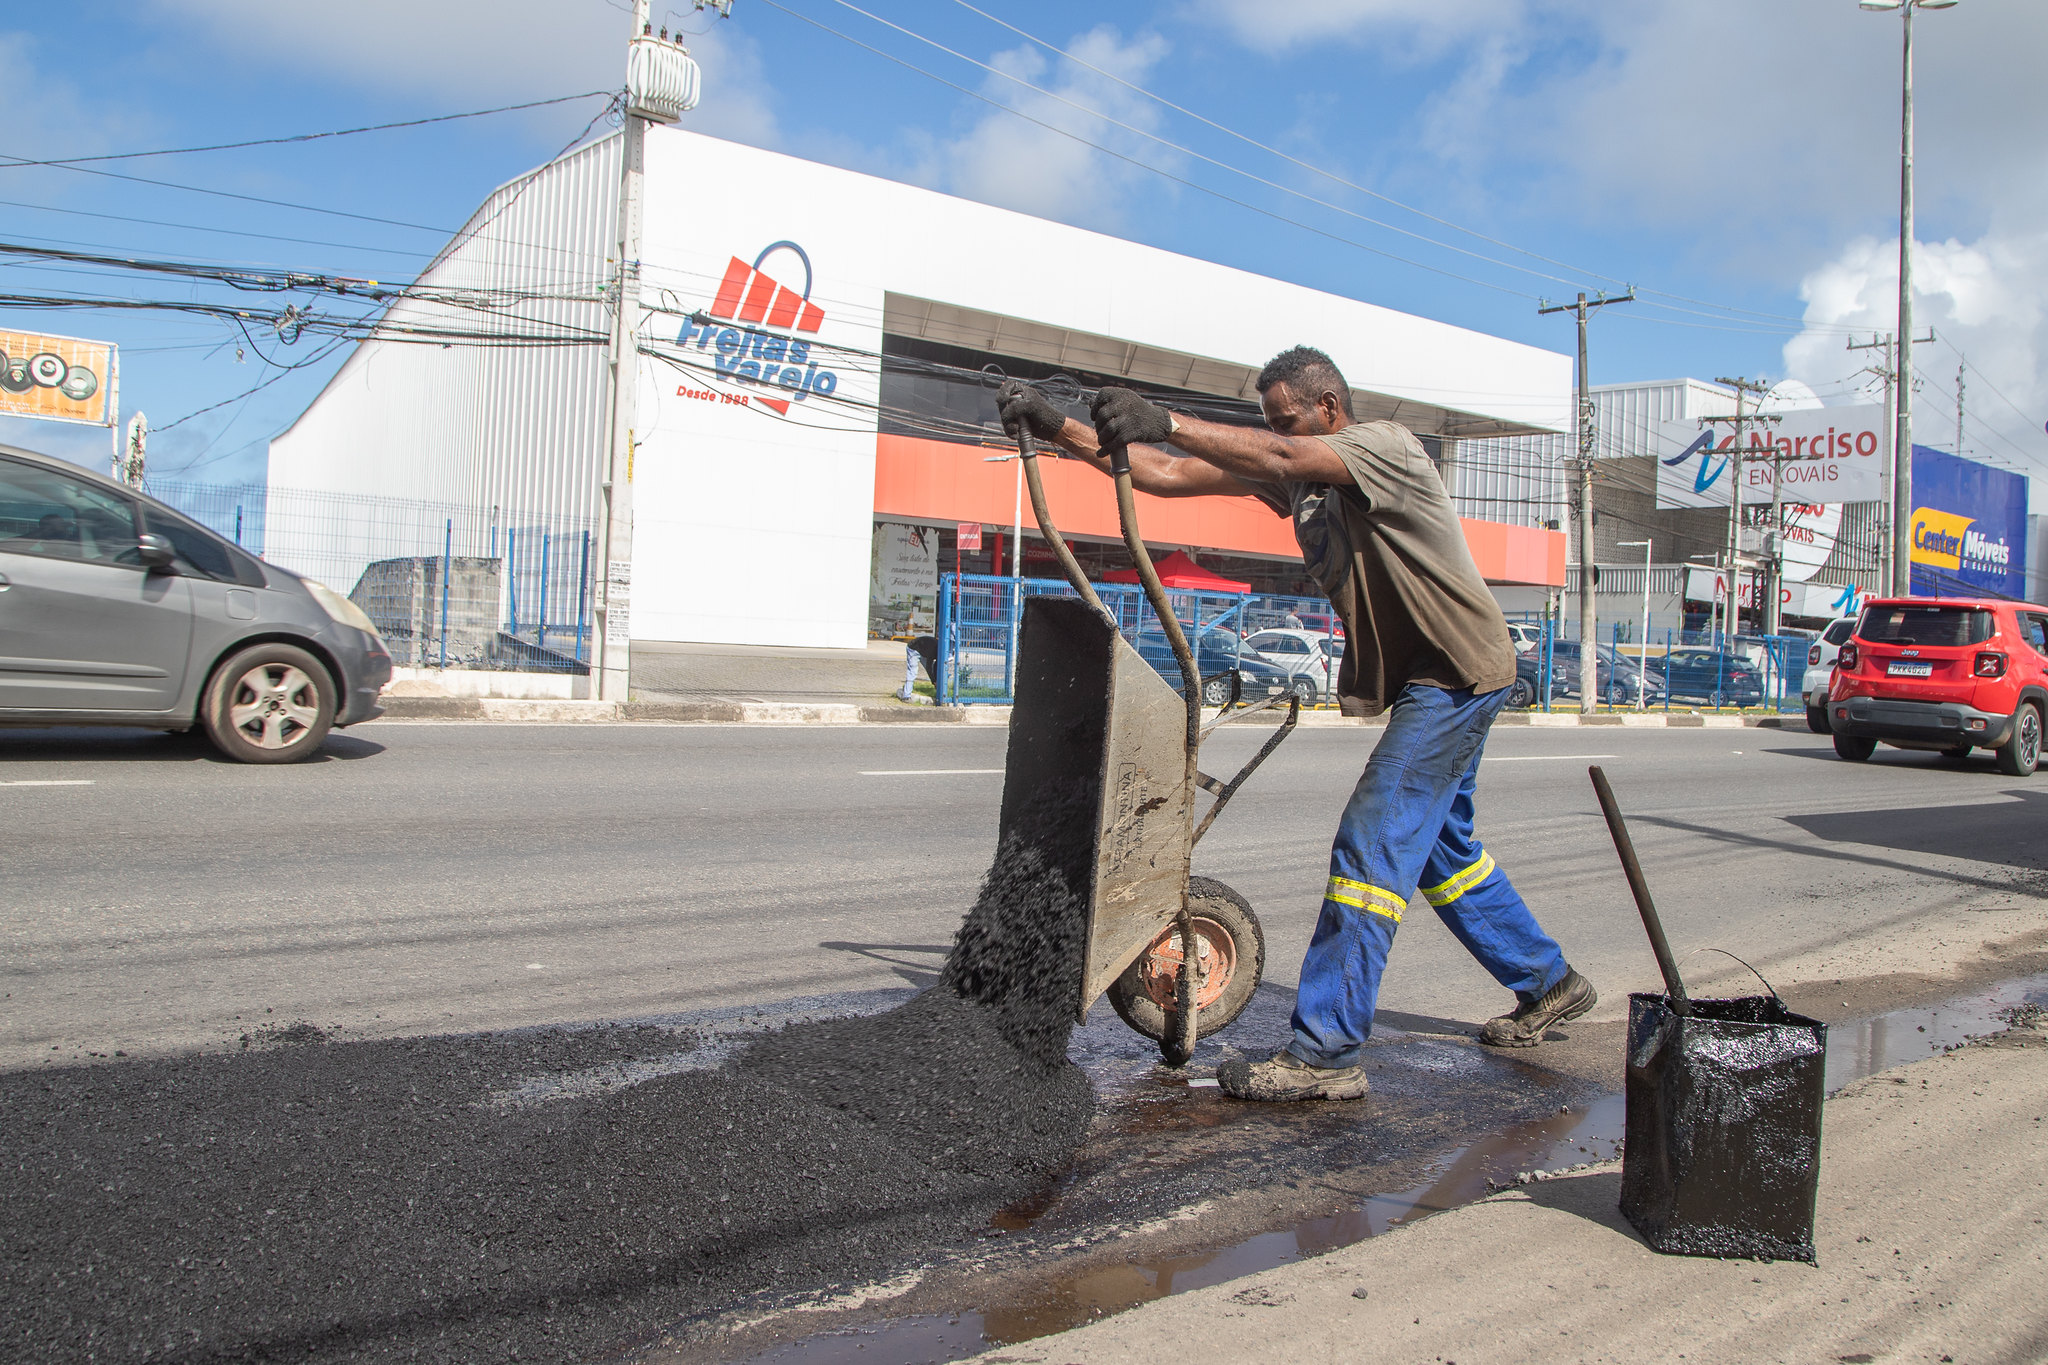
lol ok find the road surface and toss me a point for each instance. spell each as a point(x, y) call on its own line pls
point(445, 877)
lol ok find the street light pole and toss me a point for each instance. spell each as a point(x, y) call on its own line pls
point(1902, 449)
point(1643, 649)
point(1902, 469)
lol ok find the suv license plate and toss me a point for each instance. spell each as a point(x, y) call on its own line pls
point(1899, 670)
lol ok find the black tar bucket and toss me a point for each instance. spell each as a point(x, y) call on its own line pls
point(1722, 1155)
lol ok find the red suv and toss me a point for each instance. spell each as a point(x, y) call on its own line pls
point(1945, 674)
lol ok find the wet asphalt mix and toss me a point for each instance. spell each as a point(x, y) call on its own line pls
point(543, 1195)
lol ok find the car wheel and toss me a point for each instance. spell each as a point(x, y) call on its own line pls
point(1817, 720)
point(1233, 949)
point(2021, 752)
point(1617, 695)
point(1305, 688)
point(1521, 694)
point(269, 703)
point(1216, 690)
point(1855, 748)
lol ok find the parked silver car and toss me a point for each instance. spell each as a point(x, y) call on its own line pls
point(116, 610)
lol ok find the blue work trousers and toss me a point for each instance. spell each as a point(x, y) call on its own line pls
point(1408, 826)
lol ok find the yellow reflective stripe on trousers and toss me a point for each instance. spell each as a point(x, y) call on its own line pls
point(1366, 896)
point(1460, 884)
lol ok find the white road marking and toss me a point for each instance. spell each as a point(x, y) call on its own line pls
point(931, 772)
point(1540, 758)
point(66, 782)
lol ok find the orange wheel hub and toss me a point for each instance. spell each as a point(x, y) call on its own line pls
point(1215, 963)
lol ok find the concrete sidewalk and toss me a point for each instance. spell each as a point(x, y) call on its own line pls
point(727, 712)
point(1934, 1187)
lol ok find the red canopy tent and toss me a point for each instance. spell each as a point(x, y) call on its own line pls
point(1179, 572)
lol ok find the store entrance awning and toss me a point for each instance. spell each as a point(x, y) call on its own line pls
point(1179, 572)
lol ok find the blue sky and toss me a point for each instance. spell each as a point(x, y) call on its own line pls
point(1737, 162)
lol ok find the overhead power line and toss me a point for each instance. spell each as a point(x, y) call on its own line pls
point(1143, 165)
point(1334, 178)
point(1308, 166)
point(307, 137)
point(1200, 156)
point(218, 231)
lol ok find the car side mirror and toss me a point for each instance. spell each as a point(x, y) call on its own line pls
point(155, 552)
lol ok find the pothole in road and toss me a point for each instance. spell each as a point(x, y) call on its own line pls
point(1178, 1188)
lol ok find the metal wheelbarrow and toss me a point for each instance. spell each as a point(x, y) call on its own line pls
point(1179, 956)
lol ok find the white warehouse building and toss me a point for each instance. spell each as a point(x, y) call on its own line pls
point(812, 377)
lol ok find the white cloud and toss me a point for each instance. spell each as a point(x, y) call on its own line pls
point(1004, 160)
point(1412, 25)
point(1987, 299)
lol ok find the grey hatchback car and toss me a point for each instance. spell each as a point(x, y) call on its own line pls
point(116, 610)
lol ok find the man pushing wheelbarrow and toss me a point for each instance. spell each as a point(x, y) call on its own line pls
point(1425, 643)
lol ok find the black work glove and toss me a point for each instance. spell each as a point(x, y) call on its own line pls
point(1122, 419)
point(1024, 408)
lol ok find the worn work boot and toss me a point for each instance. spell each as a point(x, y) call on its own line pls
point(1568, 999)
point(1287, 1077)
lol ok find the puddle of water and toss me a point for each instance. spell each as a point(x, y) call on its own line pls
point(1574, 1136)
point(1864, 1047)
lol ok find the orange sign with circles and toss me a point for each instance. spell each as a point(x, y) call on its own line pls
point(62, 379)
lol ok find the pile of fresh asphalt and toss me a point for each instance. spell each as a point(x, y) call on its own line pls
point(310, 1200)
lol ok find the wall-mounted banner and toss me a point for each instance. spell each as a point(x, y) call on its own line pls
point(1829, 455)
point(1810, 532)
point(903, 583)
point(1969, 527)
point(61, 379)
point(1808, 601)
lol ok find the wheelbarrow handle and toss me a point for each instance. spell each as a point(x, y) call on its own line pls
point(1155, 593)
point(1027, 450)
point(1639, 886)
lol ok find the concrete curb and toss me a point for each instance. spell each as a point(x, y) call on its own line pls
point(555, 712)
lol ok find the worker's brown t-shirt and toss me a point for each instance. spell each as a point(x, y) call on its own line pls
point(1389, 551)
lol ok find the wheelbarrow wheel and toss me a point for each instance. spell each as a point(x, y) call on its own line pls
point(1233, 953)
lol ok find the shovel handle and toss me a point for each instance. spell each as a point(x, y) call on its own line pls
point(1639, 887)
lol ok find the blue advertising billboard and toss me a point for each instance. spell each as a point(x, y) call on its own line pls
point(1969, 527)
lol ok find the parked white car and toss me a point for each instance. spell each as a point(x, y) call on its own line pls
point(1307, 655)
point(1527, 638)
point(1820, 670)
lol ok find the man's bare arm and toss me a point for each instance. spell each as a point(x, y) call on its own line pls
point(1256, 455)
point(1153, 470)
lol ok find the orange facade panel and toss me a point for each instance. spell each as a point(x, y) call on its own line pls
point(939, 481)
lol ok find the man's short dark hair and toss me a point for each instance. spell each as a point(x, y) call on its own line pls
point(1309, 373)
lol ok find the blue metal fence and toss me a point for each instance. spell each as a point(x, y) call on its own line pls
point(1693, 669)
point(979, 614)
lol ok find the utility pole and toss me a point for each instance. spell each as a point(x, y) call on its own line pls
point(1891, 521)
point(1885, 370)
point(612, 631)
point(1962, 363)
point(1589, 643)
point(661, 84)
point(1731, 608)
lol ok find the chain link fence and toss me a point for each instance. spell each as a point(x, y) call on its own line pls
point(448, 585)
